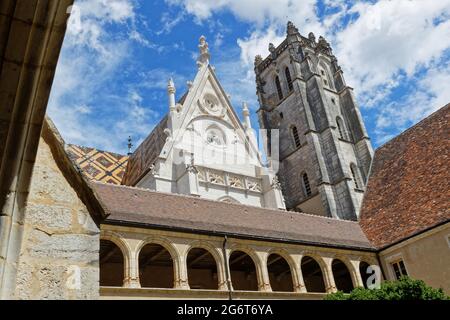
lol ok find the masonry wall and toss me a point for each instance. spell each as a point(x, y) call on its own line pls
point(426, 257)
point(60, 248)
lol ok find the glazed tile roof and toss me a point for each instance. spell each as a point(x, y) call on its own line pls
point(98, 165)
point(409, 187)
point(145, 155)
point(145, 208)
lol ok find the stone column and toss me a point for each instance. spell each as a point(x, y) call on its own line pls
point(221, 272)
point(180, 279)
point(262, 273)
point(330, 285)
point(131, 276)
point(297, 275)
point(131, 264)
point(356, 275)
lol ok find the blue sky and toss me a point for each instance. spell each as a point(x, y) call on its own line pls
point(118, 54)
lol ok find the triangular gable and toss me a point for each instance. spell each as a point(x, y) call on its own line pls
point(206, 80)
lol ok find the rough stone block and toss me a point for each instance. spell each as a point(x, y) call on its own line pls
point(70, 247)
point(49, 217)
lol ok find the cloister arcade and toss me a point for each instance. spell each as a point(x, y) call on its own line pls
point(191, 262)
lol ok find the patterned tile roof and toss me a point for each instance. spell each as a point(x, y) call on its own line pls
point(145, 155)
point(98, 165)
point(409, 187)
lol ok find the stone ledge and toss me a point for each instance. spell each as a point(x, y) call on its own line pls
point(112, 293)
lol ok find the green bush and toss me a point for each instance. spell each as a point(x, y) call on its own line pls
point(403, 289)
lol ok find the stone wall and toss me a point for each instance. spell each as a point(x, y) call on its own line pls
point(60, 248)
point(425, 257)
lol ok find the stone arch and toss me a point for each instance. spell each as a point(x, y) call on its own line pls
point(166, 267)
point(313, 271)
point(278, 87)
point(228, 199)
point(343, 274)
point(325, 74)
point(111, 264)
point(288, 77)
point(305, 184)
point(341, 128)
point(290, 276)
point(356, 176)
point(162, 242)
point(203, 269)
point(216, 253)
point(125, 250)
point(295, 136)
point(119, 241)
point(248, 277)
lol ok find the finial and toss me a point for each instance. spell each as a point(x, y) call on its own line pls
point(246, 114)
point(170, 86)
point(204, 52)
point(271, 47)
point(312, 37)
point(291, 28)
point(258, 60)
point(245, 108)
point(130, 145)
point(171, 94)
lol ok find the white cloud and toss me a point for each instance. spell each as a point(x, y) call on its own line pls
point(429, 94)
point(169, 22)
point(380, 45)
point(261, 12)
point(82, 105)
point(391, 37)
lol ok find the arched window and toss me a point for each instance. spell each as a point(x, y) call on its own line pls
point(202, 269)
point(280, 275)
point(111, 264)
point(306, 185)
point(312, 275)
point(155, 267)
point(324, 75)
point(296, 137)
point(341, 128)
point(243, 272)
point(364, 271)
point(288, 79)
point(355, 176)
point(342, 276)
point(278, 84)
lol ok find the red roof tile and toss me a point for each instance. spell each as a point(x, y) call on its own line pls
point(129, 205)
point(409, 187)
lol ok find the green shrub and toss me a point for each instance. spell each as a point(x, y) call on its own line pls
point(403, 289)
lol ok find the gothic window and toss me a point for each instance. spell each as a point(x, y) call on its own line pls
point(306, 185)
point(296, 136)
point(325, 75)
point(278, 85)
point(288, 79)
point(341, 128)
point(355, 176)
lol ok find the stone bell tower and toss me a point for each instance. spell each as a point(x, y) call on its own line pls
point(323, 146)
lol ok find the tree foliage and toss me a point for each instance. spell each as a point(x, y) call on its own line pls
point(403, 289)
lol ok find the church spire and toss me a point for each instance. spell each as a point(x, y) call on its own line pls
point(204, 56)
